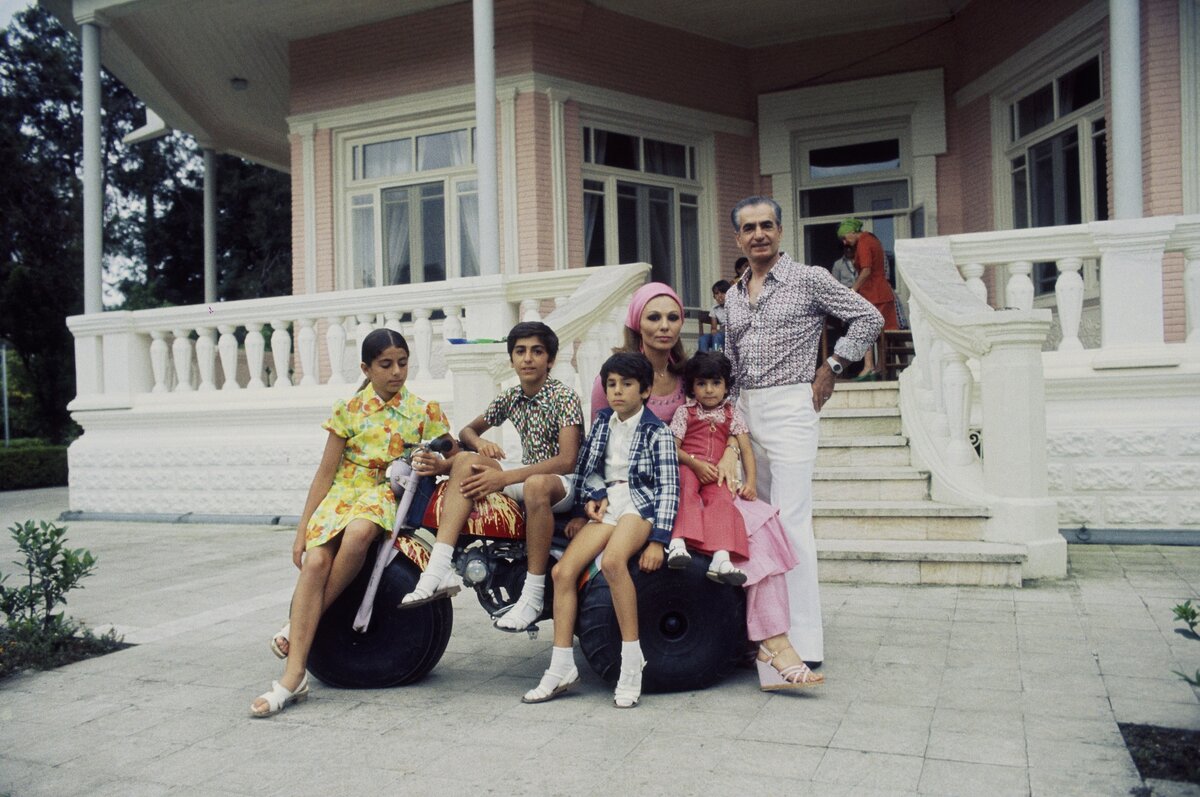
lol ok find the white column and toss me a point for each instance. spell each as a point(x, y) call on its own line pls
point(210, 226)
point(1131, 255)
point(93, 177)
point(281, 353)
point(206, 358)
point(227, 349)
point(558, 174)
point(973, 276)
point(1068, 293)
point(1125, 136)
point(485, 137)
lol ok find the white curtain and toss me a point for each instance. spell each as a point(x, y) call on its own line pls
point(468, 215)
point(396, 236)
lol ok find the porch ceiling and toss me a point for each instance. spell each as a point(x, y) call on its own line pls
point(179, 56)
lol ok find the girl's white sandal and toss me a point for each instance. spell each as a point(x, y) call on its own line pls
point(280, 697)
point(629, 687)
point(284, 634)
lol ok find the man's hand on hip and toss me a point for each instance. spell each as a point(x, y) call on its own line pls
point(822, 386)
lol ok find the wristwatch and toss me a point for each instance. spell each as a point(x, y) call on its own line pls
point(835, 366)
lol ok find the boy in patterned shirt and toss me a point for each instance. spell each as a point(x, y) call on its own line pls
point(549, 418)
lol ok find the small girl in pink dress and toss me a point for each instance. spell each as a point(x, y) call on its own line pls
point(704, 426)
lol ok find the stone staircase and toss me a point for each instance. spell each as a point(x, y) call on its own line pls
point(872, 515)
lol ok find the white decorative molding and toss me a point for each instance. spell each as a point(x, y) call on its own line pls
point(558, 174)
point(1189, 69)
point(508, 178)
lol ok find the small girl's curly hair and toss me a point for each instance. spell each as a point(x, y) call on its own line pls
point(707, 365)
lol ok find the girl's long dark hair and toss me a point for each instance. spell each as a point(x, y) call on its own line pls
point(378, 341)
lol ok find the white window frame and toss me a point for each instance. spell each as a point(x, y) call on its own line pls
point(1082, 49)
point(611, 175)
point(346, 187)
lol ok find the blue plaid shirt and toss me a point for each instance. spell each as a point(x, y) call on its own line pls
point(653, 471)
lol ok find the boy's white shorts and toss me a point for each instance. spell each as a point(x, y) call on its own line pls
point(517, 491)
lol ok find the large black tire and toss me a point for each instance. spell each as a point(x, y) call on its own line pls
point(399, 647)
point(692, 630)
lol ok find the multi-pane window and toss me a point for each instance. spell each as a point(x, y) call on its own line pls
point(413, 208)
point(866, 179)
point(641, 203)
point(1057, 156)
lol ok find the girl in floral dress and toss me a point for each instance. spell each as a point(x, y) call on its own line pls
point(350, 502)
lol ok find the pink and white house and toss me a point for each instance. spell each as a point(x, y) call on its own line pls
point(1033, 167)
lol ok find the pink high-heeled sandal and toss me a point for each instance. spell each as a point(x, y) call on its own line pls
point(797, 676)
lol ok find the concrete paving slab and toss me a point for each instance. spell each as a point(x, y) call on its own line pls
point(931, 690)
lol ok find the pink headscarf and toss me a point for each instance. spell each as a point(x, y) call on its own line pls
point(642, 297)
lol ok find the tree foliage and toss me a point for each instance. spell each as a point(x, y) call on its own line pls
point(153, 221)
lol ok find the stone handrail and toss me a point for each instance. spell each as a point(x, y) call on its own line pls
point(127, 356)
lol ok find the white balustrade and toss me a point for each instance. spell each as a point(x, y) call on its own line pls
point(335, 347)
point(306, 345)
point(206, 358)
point(158, 360)
point(530, 310)
point(1018, 290)
point(973, 274)
point(255, 348)
point(281, 353)
point(181, 356)
point(227, 348)
point(422, 343)
point(1068, 292)
point(956, 382)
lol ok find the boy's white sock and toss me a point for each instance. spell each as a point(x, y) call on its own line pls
point(561, 661)
point(631, 656)
point(527, 608)
point(437, 569)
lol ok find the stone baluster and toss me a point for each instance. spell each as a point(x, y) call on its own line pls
point(924, 355)
point(256, 345)
point(529, 310)
point(973, 276)
point(937, 350)
point(181, 355)
point(227, 348)
point(1019, 289)
point(281, 353)
point(391, 320)
point(1068, 292)
point(956, 382)
point(1191, 293)
point(306, 344)
point(206, 357)
point(158, 359)
point(364, 327)
point(422, 344)
point(335, 346)
point(452, 328)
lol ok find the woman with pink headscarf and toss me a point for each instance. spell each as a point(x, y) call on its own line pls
point(652, 326)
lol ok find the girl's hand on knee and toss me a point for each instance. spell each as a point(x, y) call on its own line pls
point(573, 527)
point(706, 472)
point(652, 558)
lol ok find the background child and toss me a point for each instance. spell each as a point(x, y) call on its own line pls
point(627, 482)
point(350, 502)
point(703, 426)
point(715, 337)
point(549, 418)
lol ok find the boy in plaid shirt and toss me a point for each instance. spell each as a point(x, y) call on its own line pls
point(549, 418)
point(627, 483)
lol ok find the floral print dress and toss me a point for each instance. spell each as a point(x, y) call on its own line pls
point(375, 432)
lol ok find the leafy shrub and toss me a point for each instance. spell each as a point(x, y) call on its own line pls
point(26, 467)
point(1189, 614)
point(36, 632)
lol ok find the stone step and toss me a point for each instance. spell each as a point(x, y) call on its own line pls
point(860, 395)
point(870, 484)
point(920, 562)
point(897, 521)
point(859, 422)
point(878, 451)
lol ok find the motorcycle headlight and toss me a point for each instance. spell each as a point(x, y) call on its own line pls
point(475, 569)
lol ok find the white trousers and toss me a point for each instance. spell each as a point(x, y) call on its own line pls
point(784, 430)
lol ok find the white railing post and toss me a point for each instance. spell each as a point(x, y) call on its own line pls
point(206, 358)
point(956, 382)
point(529, 310)
point(181, 354)
point(973, 275)
point(1068, 292)
point(227, 349)
point(335, 347)
point(1018, 291)
point(1191, 293)
point(255, 346)
point(306, 345)
point(159, 351)
point(937, 370)
point(422, 342)
point(281, 353)
point(1131, 253)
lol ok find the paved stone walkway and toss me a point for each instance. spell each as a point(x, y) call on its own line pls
point(931, 690)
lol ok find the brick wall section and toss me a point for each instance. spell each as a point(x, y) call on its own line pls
point(736, 178)
point(323, 182)
point(535, 201)
point(1162, 144)
point(573, 167)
